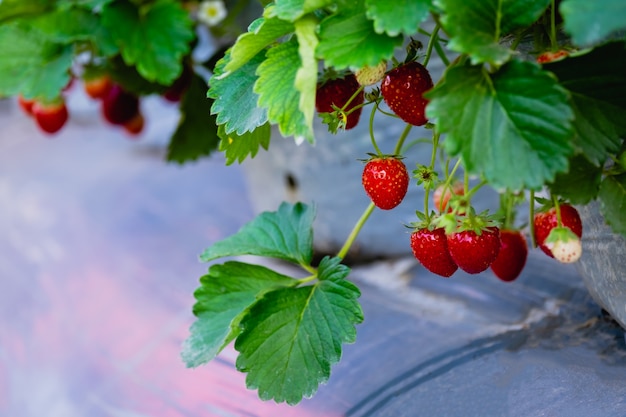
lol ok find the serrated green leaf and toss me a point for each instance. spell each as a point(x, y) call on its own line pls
point(597, 84)
point(278, 93)
point(261, 33)
point(292, 337)
point(589, 22)
point(196, 134)
point(30, 65)
point(348, 39)
point(235, 100)
point(11, 9)
point(284, 234)
point(91, 4)
point(239, 147)
point(222, 300)
point(613, 202)
point(66, 26)
point(475, 27)
point(514, 126)
point(292, 10)
point(404, 17)
point(152, 37)
point(580, 184)
point(306, 77)
point(128, 77)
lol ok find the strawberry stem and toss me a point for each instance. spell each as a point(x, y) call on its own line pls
point(553, 40)
point(402, 138)
point(355, 231)
point(431, 43)
point(531, 214)
point(557, 209)
point(371, 128)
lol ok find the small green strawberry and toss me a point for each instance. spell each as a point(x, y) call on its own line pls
point(403, 88)
point(386, 181)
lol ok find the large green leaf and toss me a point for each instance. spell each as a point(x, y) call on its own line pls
point(306, 77)
point(153, 37)
point(284, 234)
point(11, 9)
point(261, 33)
point(513, 127)
point(66, 26)
point(292, 337)
point(235, 100)
point(196, 134)
point(404, 16)
point(30, 64)
point(590, 22)
point(239, 147)
point(223, 298)
point(476, 27)
point(277, 90)
point(581, 183)
point(597, 84)
point(348, 39)
point(613, 202)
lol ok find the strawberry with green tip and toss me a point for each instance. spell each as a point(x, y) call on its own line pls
point(545, 221)
point(430, 248)
point(564, 245)
point(385, 180)
point(403, 90)
point(512, 256)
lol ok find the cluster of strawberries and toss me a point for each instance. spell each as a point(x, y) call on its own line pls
point(454, 238)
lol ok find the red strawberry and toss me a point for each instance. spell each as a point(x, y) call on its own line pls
point(550, 56)
point(97, 87)
point(544, 222)
point(474, 252)
point(26, 104)
point(119, 106)
point(403, 88)
point(50, 116)
point(430, 247)
point(135, 125)
point(337, 92)
point(441, 198)
point(512, 256)
point(179, 86)
point(386, 181)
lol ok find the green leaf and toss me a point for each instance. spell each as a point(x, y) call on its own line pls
point(261, 33)
point(476, 27)
point(153, 37)
point(348, 39)
point(581, 183)
point(278, 93)
point(292, 10)
point(196, 134)
point(589, 22)
point(128, 77)
point(30, 65)
point(223, 299)
point(235, 100)
point(514, 126)
point(284, 234)
point(292, 337)
point(11, 9)
point(613, 202)
point(66, 26)
point(306, 77)
point(597, 84)
point(239, 147)
point(91, 4)
point(404, 17)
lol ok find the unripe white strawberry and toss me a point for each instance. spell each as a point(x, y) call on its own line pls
point(371, 75)
point(564, 245)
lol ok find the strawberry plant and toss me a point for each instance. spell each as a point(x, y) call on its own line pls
point(532, 103)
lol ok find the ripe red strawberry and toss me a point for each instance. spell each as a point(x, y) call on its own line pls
point(386, 181)
point(26, 104)
point(544, 222)
point(135, 125)
point(97, 87)
point(474, 252)
point(50, 116)
point(512, 256)
point(430, 248)
point(337, 92)
point(550, 56)
point(119, 106)
point(403, 88)
point(441, 198)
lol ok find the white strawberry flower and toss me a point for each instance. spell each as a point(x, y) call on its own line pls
point(212, 12)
